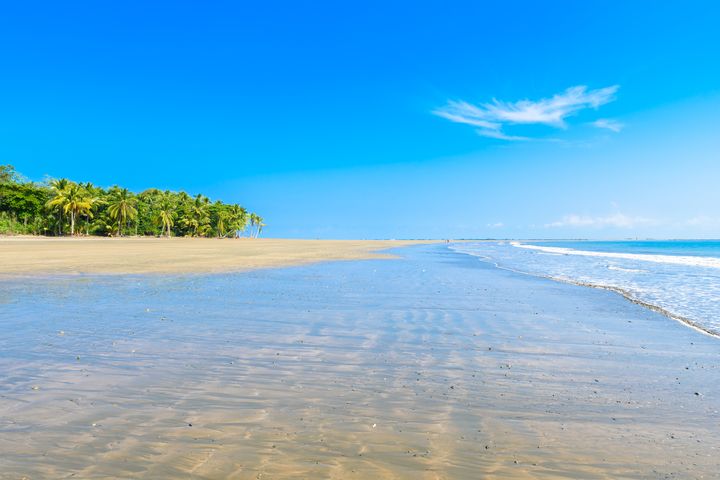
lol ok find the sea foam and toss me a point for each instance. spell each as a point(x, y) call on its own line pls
point(710, 262)
point(684, 287)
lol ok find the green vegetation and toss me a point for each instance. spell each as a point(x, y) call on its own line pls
point(59, 207)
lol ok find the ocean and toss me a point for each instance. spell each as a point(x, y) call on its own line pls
point(679, 277)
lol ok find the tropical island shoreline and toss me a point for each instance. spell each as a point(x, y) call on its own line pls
point(27, 255)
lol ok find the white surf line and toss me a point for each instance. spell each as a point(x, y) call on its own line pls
point(710, 262)
point(624, 293)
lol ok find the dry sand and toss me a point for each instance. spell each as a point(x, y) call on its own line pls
point(37, 255)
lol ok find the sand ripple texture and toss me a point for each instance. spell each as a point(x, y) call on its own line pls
point(431, 366)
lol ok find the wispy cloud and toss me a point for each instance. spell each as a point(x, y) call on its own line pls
point(491, 118)
point(609, 124)
point(702, 221)
point(496, 225)
point(619, 220)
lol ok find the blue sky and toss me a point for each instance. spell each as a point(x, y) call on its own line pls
point(366, 120)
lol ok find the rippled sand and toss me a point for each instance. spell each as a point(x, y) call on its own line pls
point(431, 366)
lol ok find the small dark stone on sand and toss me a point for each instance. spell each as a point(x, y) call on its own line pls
point(189, 424)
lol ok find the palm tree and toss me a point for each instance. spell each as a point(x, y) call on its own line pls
point(166, 213)
point(77, 204)
point(252, 224)
point(183, 201)
point(222, 220)
point(238, 219)
point(94, 196)
point(57, 202)
point(122, 207)
point(197, 215)
point(259, 224)
point(256, 222)
point(30, 207)
point(146, 205)
point(57, 186)
point(73, 200)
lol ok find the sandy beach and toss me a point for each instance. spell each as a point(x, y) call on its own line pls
point(38, 255)
point(434, 365)
point(529, 285)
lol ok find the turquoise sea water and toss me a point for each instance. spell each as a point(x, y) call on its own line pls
point(700, 248)
point(682, 277)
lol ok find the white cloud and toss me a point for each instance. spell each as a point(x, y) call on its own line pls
point(619, 220)
point(496, 225)
point(702, 221)
point(609, 124)
point(490, 118)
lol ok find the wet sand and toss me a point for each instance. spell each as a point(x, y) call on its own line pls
point(434, 365)
point(41, 255)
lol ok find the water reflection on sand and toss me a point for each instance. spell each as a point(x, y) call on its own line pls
point(432, 366)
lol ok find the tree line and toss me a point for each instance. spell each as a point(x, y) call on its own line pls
point(64, 207)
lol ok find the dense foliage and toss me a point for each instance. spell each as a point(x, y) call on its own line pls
point(62, 207)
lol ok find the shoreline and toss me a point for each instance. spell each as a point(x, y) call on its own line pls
point(652, 307)
point(686, 322)
point(23, 256)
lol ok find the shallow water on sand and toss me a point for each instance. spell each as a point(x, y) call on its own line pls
point(431, 366)
point(681, 277)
